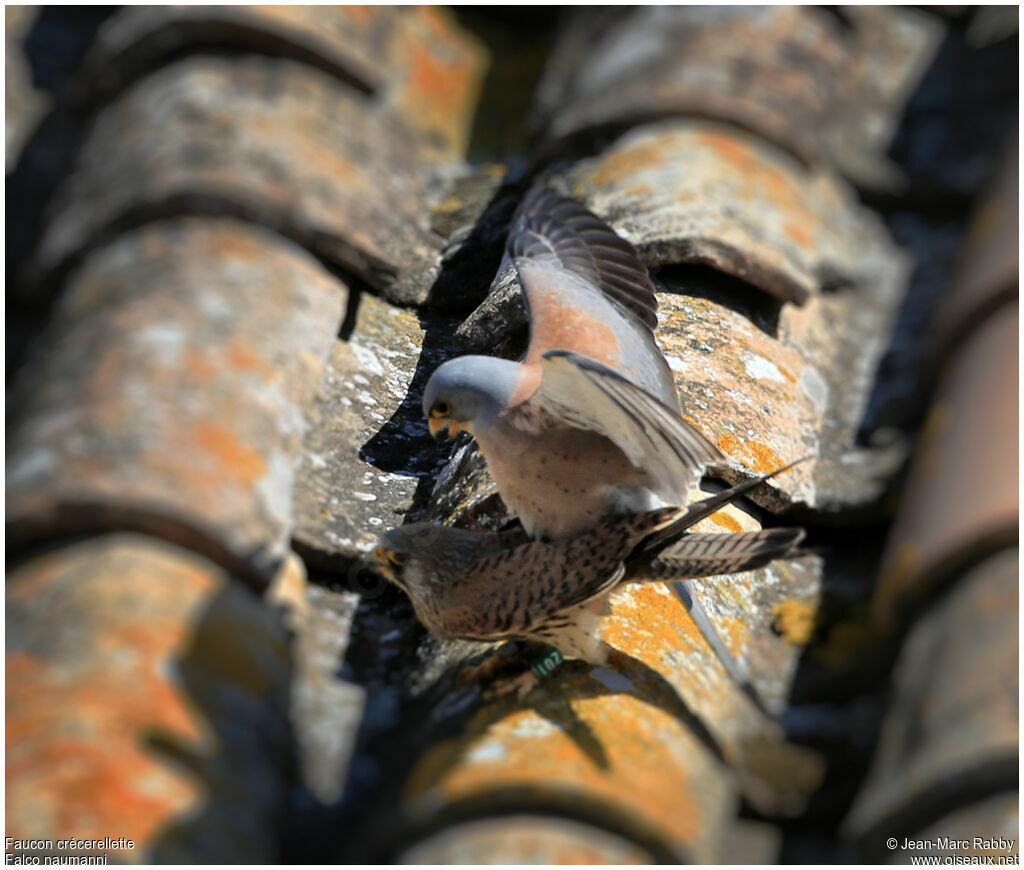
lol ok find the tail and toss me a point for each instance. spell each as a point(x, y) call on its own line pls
point(706, 555)
point(699, 555)
point(699, 510)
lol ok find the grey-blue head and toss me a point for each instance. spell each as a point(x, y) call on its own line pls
point(469, 392)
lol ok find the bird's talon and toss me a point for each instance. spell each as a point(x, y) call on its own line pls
point(519, 686)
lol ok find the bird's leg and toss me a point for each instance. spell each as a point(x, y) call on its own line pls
point(540, 667)
point(519, 685)
point(522, 683)
point(496, 661)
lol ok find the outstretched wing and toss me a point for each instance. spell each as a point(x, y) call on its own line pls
point(584, 394)
point(586, 290)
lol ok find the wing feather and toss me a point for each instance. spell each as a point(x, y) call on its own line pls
point(585, 394)
point(550, 226)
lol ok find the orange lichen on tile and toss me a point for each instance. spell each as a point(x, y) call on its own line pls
point(665, 621)
point(721, 518)
point(639, 190)
point(619, 165)
point(244, 360)
point(728, 444)
point(730, 149)
point(360, 14)
point(644, 771)
point(760, 456)
point(78, 724)
point(786, 373)
point(239, 461)
point(765, 459)
point(735, 635)
point(109, 725)
point(798, 234)
point(794, 621)
point(444, 68)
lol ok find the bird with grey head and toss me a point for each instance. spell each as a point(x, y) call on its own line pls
point(588, 425)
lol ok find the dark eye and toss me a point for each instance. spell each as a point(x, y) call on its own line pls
point(440, 409)
point(398, 559)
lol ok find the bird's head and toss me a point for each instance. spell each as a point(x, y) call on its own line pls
point(414, 555)
point(468, 393)
point(428, 561)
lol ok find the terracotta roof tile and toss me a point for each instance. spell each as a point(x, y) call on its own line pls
point(146, 699)
point(413, 59)
point(271, 141)
point(827, 87)
point(952, 724)
point(962, 496)
point(171, 395)
point(241, 165)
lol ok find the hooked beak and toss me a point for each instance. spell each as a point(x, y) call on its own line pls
point(383, 562)
point(440, 427)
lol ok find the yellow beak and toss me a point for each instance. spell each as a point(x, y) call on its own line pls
point(438, 425)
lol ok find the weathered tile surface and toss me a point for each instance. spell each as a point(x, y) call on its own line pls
point(827, 87)
point(146, 699)
point(665, 687)
point(985, 831)
point(954, 714)
point(367, 449)
point(273, 141)
point(628, 760)
point(437, 69)
point(987, 268)
point(177, 382)
point(171, 391)
point(961, 498)
point(326, 709)
point(413, 59)
point(693, 192)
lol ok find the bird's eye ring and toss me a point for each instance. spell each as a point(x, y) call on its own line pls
point(440, 409)
point(398, 559)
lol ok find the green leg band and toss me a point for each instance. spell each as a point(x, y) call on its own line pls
point(547, 663)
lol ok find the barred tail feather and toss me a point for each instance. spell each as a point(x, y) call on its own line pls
point(698, 510)
point(705, 555)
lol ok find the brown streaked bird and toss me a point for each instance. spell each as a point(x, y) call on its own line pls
point(501, 586)
point(588, 426)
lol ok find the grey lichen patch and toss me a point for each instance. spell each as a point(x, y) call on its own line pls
point(368, 448)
